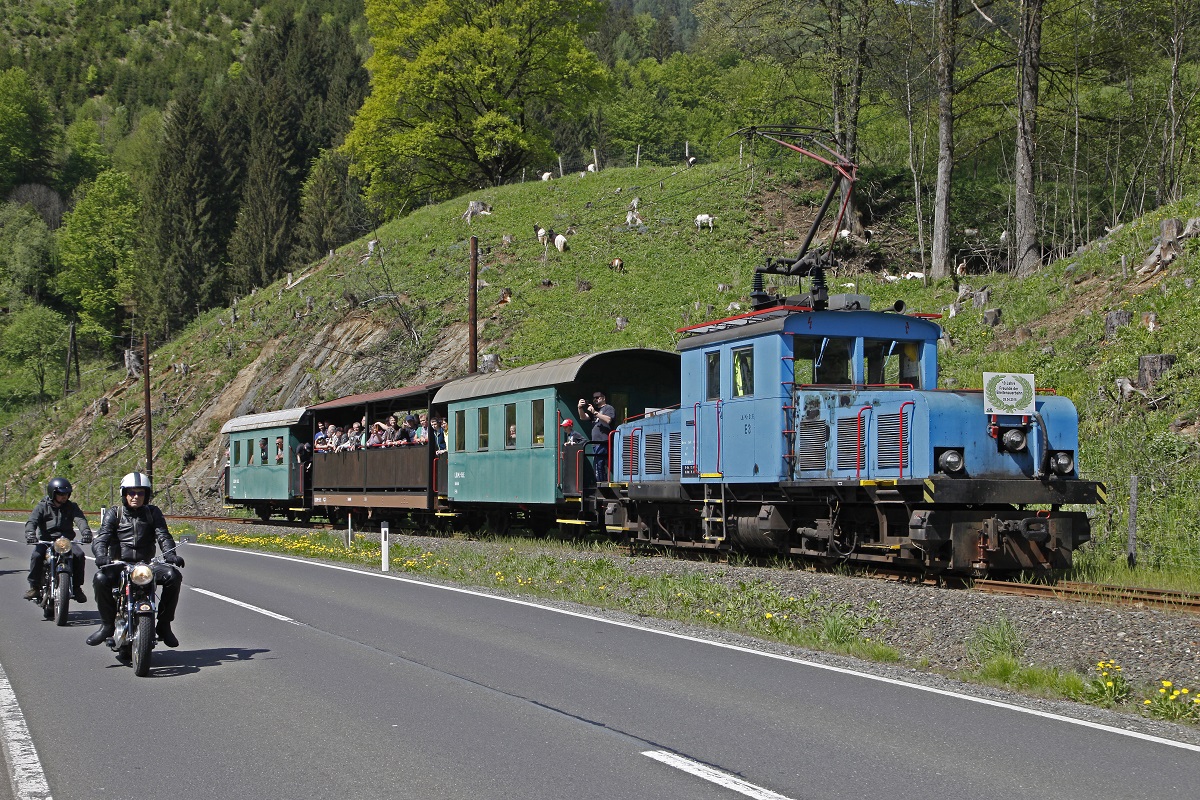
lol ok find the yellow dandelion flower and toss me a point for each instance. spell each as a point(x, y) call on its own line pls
point(1167, 684)
point(769, 615)
point(1108, 684)
point(1162, 691)
point(1145, 702)
point(1184, 690)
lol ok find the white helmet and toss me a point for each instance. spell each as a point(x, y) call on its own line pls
point(136, 480)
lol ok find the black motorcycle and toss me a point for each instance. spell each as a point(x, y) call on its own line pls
point(137, 601)
point(56, 590)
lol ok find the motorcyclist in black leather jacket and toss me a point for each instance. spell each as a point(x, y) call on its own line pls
point(129, 532)
point(56, 515)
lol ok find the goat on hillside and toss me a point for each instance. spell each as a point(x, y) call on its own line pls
point(705, 219)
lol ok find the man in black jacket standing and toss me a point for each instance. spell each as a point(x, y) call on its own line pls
point(56, 515)
point(129, 532)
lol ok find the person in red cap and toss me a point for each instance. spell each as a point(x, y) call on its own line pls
point(573, 436)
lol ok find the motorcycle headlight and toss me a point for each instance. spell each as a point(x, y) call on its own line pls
point(1062, 462)
point(62, 545)
point(950, 461)
point(1013, 440)
point(141, 574)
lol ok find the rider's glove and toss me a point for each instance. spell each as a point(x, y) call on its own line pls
point(31, 538)
point(171, 558)
point(85, 538)
point(103, 561)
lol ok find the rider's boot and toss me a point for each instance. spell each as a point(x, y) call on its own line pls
point(165, 634)
point(105, 631)
point(32, 593)
point(80, 597)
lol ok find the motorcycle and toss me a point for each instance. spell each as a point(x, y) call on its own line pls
point(137, 601)
point(56, 590)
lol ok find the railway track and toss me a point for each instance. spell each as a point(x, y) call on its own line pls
point(1097, 593)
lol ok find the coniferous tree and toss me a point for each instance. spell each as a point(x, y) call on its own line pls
point(184, 219)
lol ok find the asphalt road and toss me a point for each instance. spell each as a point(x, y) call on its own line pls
point(299, 680)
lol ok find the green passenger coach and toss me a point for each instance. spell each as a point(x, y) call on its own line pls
point(261, 469)
point(509, 456)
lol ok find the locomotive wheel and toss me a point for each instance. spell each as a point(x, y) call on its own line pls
point(62, 602)
point(143, 642)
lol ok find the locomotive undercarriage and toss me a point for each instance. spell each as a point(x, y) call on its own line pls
point(888, 524)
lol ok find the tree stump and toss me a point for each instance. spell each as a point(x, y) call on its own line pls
point(991, 317)
point(1114, 320)
point(1153, 367)
point(981, 298)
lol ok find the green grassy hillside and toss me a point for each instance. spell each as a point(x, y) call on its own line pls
point(393, 312)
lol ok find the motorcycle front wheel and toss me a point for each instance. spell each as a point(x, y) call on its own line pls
point(143, 641)
point(62, 602)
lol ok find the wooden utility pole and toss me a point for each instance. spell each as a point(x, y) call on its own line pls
point(472, 311)
point(146, 402)
point(72, 353)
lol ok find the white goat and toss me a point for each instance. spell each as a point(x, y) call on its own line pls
point(592, 168)
point(632, 218)
point(547, 176)
point(475, 208)
point(705, 219)
point(540, 232)
point(560, 243)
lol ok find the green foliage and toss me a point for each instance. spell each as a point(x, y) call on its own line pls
point(34, 339)
point(998, 639)
point(97, 246)
point(28, 133)
point(26, 255)
point(458, 90)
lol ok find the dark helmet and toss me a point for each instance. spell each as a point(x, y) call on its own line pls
point(58, 486)
point(136, 480)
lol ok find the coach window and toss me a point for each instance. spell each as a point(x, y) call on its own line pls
point(237, 453)
point(510, 425)
point(460, 431)
point(712, 376)
point(743, 372)
point(278, 449)
point(250, 452)
point(539, 424)
point(483, 428)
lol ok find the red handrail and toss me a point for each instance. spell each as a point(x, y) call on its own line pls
point(858, 459)
point(902, 405)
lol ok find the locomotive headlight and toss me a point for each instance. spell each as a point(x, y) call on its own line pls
point(950, 461)
point(1062, 462)
point(62, 545)
point(1013, 440)
point(141, 574)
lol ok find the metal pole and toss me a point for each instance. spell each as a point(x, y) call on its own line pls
point(472, 310)
point(146, 402)
point(1131, 550)
point(383, 544)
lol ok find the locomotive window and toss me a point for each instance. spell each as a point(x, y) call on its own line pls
point(460, 431)
point(712, 376)
point(743, 372)
point(510, 425)
point(822, 361)
point(539, 424)
point(893, 363)
point(483, 429)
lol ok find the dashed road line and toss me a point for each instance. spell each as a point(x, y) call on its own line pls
point(713, 775)
point(25, 768)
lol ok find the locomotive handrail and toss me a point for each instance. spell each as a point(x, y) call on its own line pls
point(656, 412)
point(901, 454)
point(858, 452)
point(717, 467)
point(632, 457)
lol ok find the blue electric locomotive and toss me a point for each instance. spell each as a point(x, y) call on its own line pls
point(814, 426)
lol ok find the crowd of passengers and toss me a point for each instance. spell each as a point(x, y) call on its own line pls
point(414, 430)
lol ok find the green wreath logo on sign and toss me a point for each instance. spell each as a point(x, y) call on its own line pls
point(1008, 393)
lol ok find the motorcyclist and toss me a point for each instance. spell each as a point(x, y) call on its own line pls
point(56, 515)
point(129, 532)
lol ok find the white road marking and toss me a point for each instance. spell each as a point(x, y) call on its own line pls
point(713, 775)
point(25, 768)
point(777, 656)
point(263, 611)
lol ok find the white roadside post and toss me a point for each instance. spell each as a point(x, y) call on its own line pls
point(383, 541)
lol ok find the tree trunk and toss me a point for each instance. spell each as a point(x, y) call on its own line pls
point(1029, 44)
point(947, 23)
point(1151, 368)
